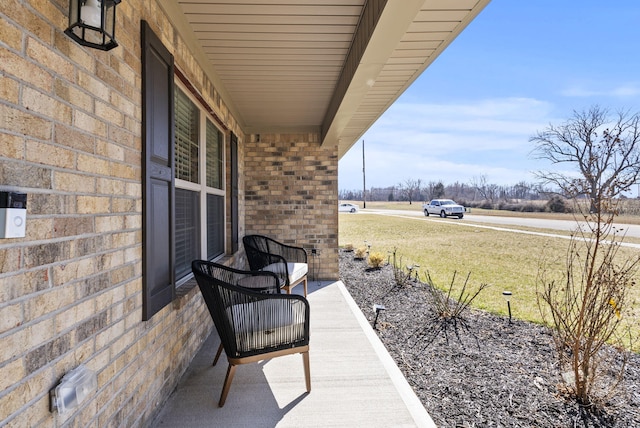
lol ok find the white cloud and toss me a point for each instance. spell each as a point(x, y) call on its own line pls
point(622, 91)
point(449, 142)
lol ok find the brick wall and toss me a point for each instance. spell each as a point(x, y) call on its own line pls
point(71, 290)
point(291, 185)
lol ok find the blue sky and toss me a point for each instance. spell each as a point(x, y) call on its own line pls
point(519, 66)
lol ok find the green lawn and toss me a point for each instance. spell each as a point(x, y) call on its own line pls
point(504, 260)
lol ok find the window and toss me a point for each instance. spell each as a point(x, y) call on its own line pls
point(199, 181)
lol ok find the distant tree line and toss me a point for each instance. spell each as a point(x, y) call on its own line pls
point(477, 191)
point(605, 151)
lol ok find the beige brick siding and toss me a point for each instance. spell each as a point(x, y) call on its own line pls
point(291, 195)
point(71, 290)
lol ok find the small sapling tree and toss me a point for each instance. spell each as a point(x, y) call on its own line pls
point(587, 303)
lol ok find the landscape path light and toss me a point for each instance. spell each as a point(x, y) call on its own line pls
point(377, 309)
point(507, 296)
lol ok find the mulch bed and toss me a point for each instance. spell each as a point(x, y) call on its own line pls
point(494, 374)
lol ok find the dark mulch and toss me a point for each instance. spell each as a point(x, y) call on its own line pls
point(495, 374)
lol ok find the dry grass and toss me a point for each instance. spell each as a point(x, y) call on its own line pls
point(417, 206)
point(505, 260)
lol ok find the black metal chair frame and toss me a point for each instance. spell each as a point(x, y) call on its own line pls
point(254, 320)
point(263, 252)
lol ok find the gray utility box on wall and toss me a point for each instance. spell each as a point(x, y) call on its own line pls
point(13, 214)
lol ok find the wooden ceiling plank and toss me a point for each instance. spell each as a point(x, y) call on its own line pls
point(286, 44)
point(243, 52)
point(429, 27)
point(281, 29)
point(450, 4)
point(441, 15)
point(240, 36)
point(410, 53)
point(270, 9)
point(210, 19)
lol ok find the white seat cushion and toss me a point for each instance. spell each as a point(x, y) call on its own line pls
point(296, 270)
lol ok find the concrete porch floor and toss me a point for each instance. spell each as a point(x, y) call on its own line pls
point(354, 380)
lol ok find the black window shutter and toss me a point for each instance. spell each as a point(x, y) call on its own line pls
point(158, 207)
point(234, 192)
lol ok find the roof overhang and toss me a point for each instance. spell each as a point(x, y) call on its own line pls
point(316, 65)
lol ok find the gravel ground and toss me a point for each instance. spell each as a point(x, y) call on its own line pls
point(495, 374)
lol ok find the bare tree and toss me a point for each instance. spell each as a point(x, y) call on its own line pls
point(456, 190)
point(488, 192)
point(521, 190)
point(433, 190)
point(586, 305)
point(438, 190)
point(606, 154)
point(410, 189)
point(427, 190)
point(480, 185)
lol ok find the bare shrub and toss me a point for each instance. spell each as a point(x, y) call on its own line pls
point(586, 307)
point(448, 312)
point(402, 275)
point(557, 204)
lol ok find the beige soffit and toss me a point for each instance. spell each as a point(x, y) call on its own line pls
point(328, 66)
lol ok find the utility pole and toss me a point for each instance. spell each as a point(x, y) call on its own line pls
point(364, 181)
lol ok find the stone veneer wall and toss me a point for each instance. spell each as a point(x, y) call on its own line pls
point(71, 290)
point(291, 195)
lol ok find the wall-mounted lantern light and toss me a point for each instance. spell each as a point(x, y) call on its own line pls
point(93, 23)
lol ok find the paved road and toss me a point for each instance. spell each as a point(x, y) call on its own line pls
point(566, 225)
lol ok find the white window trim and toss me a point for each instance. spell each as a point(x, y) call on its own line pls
point(201, 187)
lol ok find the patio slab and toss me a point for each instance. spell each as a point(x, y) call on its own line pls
point(354, 381)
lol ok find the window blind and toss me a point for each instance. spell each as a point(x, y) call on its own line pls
point(187, 230)
point(186, 135)
point(215, 226)
point(214, 156)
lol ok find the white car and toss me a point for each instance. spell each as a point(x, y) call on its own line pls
point(348, 208)
point(443, 208)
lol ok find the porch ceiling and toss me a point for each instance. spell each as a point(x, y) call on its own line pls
point(317, 65)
